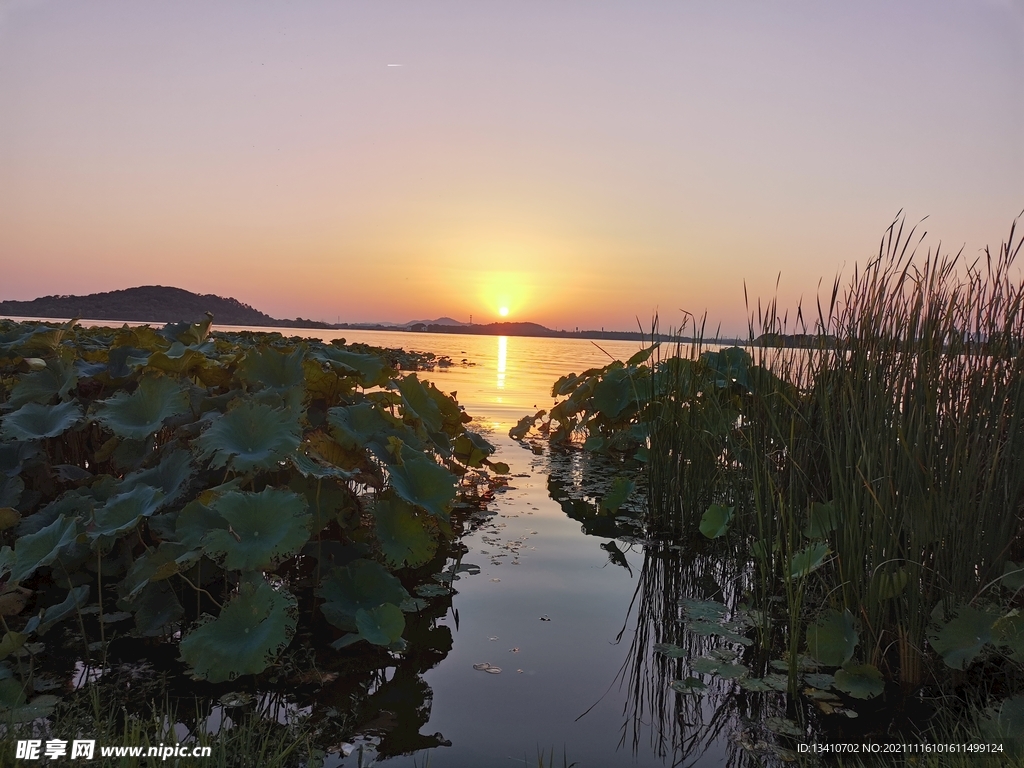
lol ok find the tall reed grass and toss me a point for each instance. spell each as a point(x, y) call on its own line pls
point(899, 419)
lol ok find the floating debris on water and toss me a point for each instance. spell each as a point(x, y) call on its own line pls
point(545, 618)
point(486, 667)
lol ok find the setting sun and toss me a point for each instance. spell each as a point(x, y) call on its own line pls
point(503, 311)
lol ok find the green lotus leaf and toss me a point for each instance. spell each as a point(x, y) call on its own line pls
point(703, 610)
point(402, 536)
point(250, 632)
point(730, 365)
point(370, 370)
point(471, 449)
point(1008, 632)
point(195, 521)
point(138, 415)
point(1005, 722)
point(423, 482)
point(819, 680)
point(960, 640)
point(832, 638)
point(1013, 576)
point(37, 549)
point(155, 565)
point(155, 608)
point(56, 380)
point(382, 625)
point(889, 584)
point(11, 642)
point(821, 520)
point(250, 436)
point(670, 650)
point(15, 707)
point(72, 504)
point(716, 520)
point(123, 512)
point(689, 685)
point(266, 527)
point(614, 392)
point(643, 355)
point(11, 489)
point(366, 426)
point(272, 369)
point(807, 560)
point(34, 421)
point(620, 490)
point(524, 425)
point(709, 666)
point(783, 726)
point(76, 599)
point(360, 584)
point(169, 475)
point(862, 681)
point(417, 403)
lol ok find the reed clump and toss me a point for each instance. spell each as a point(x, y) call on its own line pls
point(873, 454)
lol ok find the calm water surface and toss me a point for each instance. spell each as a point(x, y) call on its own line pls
point(552, 671)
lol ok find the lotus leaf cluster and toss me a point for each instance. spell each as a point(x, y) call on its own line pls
point(218, 494)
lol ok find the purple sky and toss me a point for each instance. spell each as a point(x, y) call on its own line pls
point(581, 163)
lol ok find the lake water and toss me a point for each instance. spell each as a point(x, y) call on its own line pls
point(552, 671)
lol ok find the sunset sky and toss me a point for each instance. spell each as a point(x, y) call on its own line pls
point(580, 163)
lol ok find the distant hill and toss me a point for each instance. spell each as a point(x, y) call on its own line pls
point(439, 321)
point(150, 304)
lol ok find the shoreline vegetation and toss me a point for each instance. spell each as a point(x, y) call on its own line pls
point(837, 532)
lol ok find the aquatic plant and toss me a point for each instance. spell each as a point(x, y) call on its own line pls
point(216, 493)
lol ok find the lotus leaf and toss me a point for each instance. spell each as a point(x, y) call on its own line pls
point(890, 584)
point(621, 489)
point(195, 521)
point(15, 707)
point(382, 625)
point(471, 449)
point(418, 404)
point(76, 599)
point(364, 426)
point(643, 355)
point(272, 369)
point(360, 584)
point(155, 608)
point(169, 475)
point(862, 681)
point(614, 392)
point(807, 560)
point(167, 560)
point(250, 632)
point(9, 518)
point(264, 528)
point(34, 421)
point(832, 638)
point(72, 504)
point(37, 549)
point(1008, 632)
point(821, 520)
point(1013, 576)
point(819, 680)
point(689, 685)
point(716, 520)
point(731, 365)
point(250, 436)
point(702, 610)
point(124, 511)
point(11, 489)
point(56, 380)
point(961, 639)
point(401, 533)
point(709, 666)
point(1005, 721)
point(370, 370)
point(11, 642)
point(421, 481)
point(138, 415)
point(783, 727)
